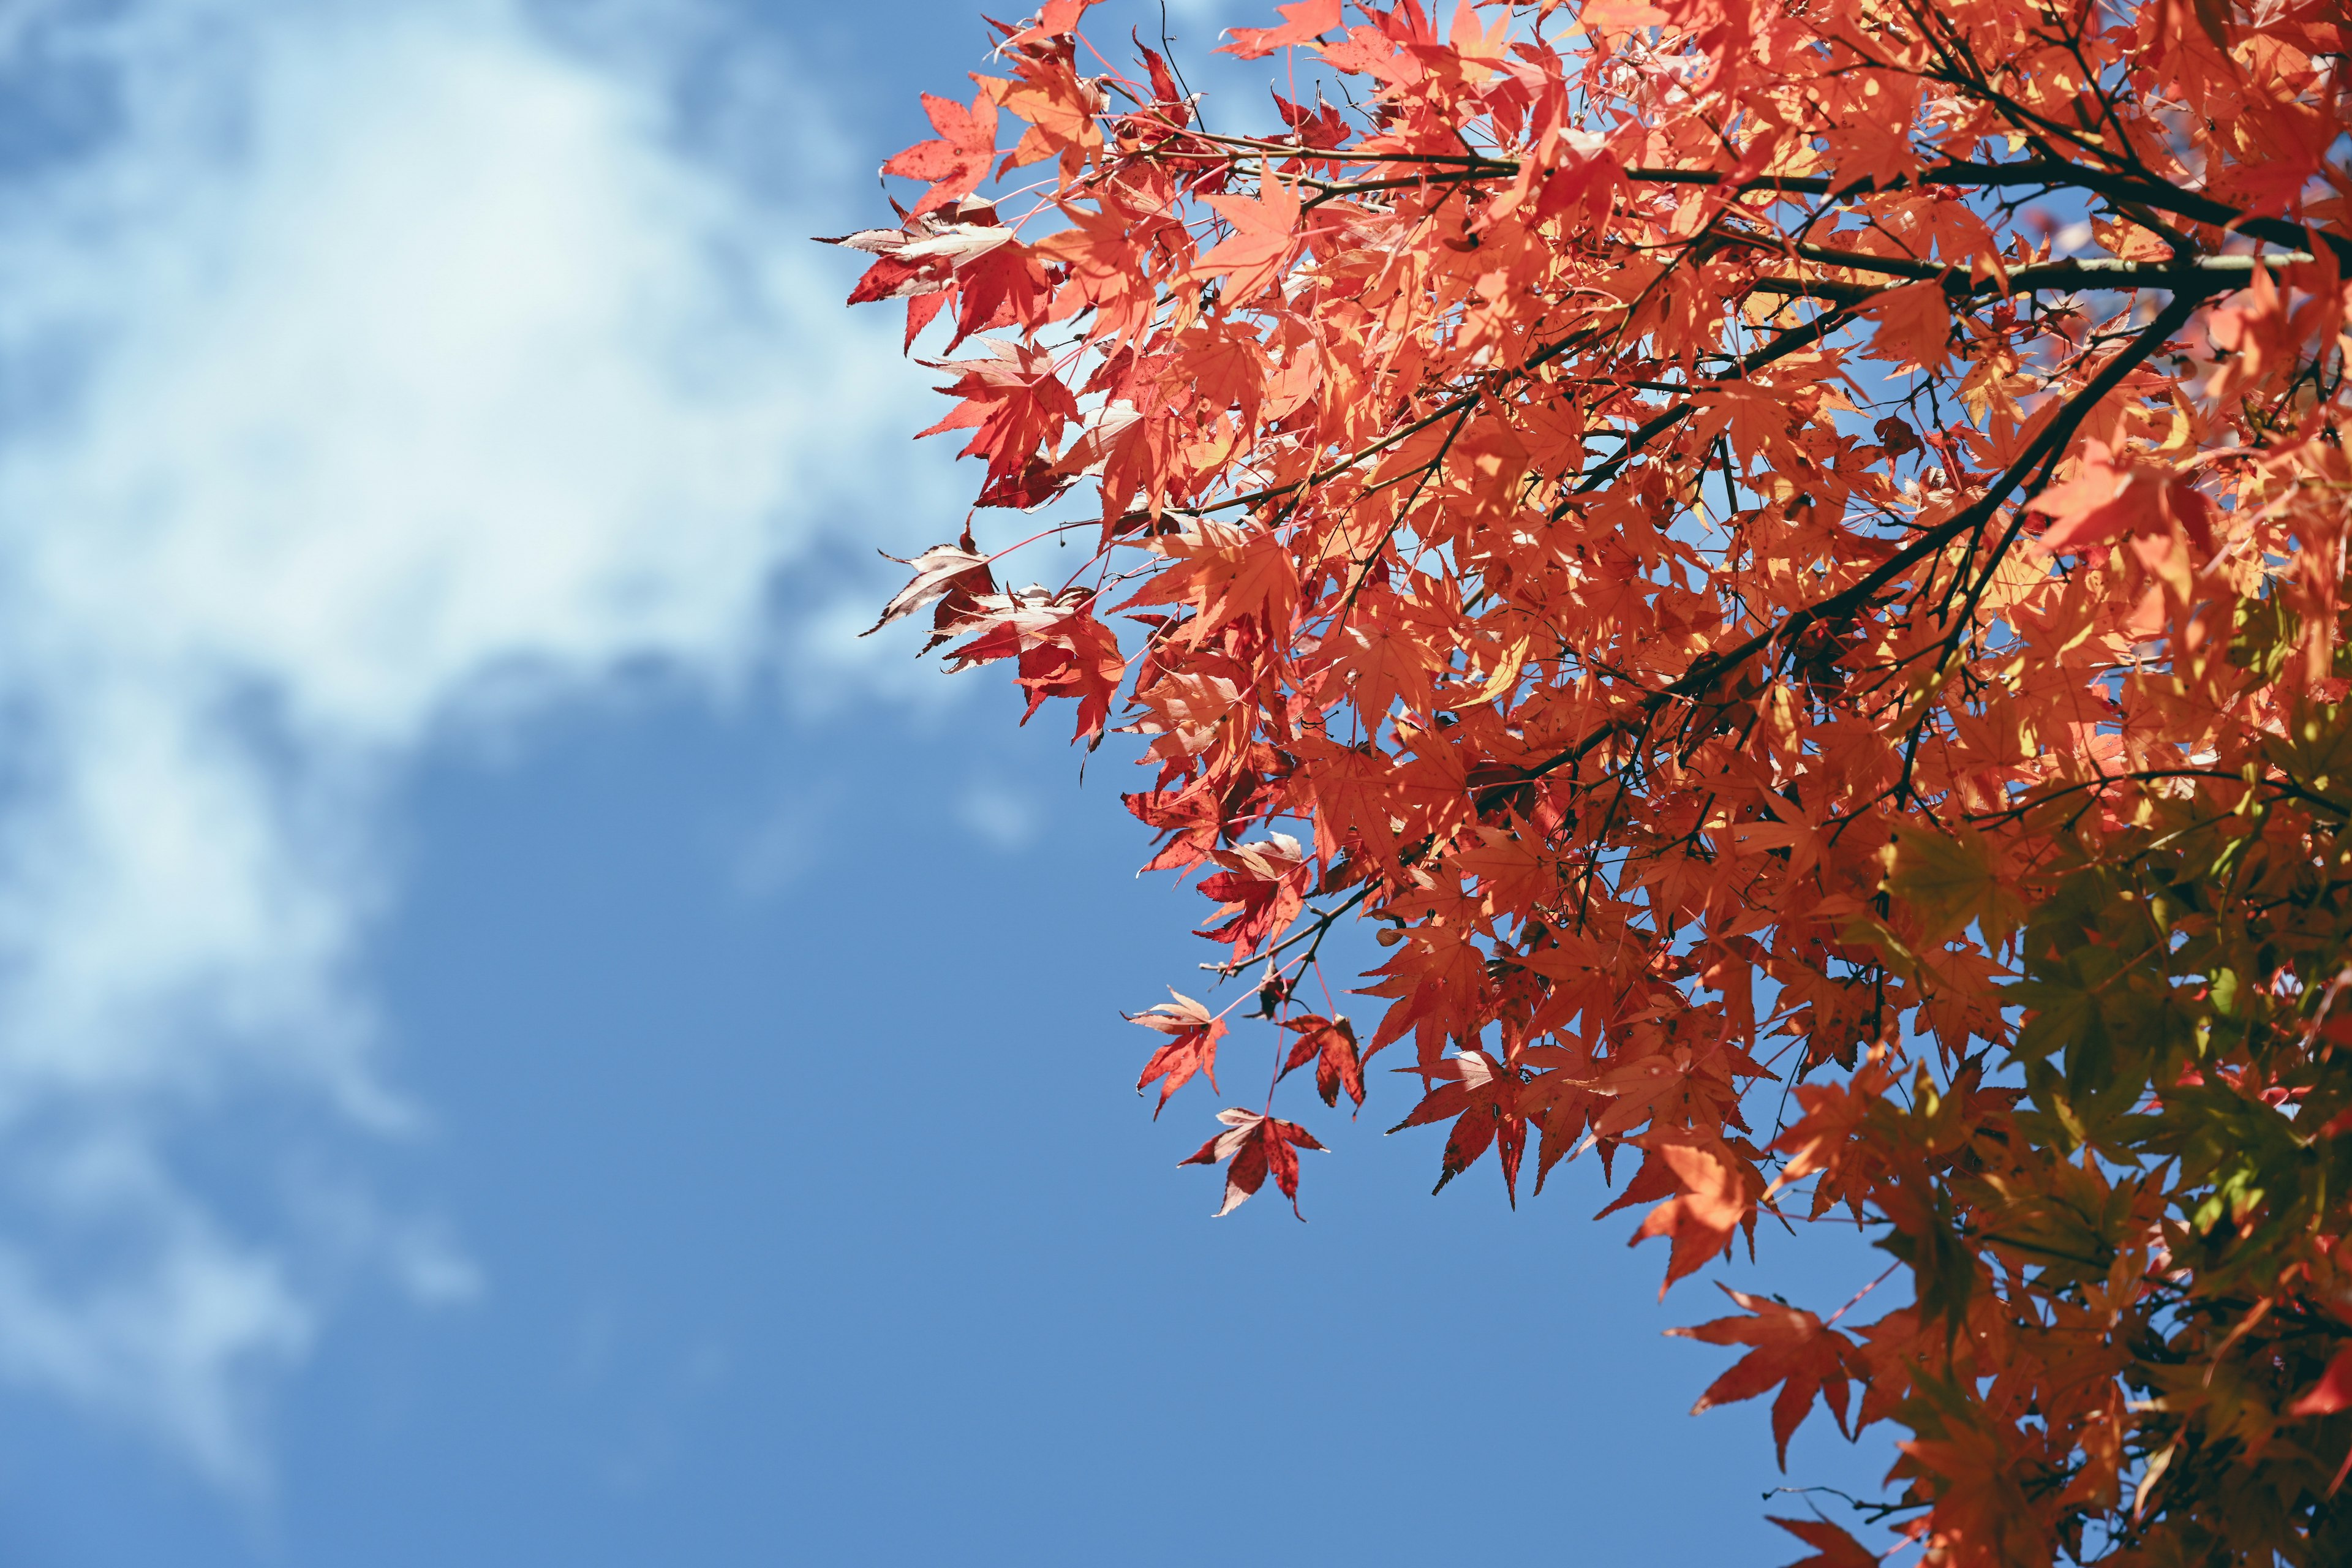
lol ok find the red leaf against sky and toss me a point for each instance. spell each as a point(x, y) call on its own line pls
point(1193, 820)
point(1833, 1548)
point(1301, 24)
point(922, 255)
point(1481, 1095)
point(955, 574)
point(1792, 1351)
point(1076, 656)
point(1013, 402)
point(1331, 1045)
point(1261, 887)
point(1192, 1034)
point(1256, 1145)
point(958, 159)
point(940, 252)
point(1058, 18)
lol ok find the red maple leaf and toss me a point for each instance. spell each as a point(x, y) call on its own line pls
point(1256, 1145)
point(1321, 127)
point(1793, 1349)
point(1301, 24)
point(1192, 820)
point(1835, 1548)
point(1261, 887)
point(923, 255)
point(958, 159)
point(1076, 658)
point(1482, 1095)
point(2332, 1393)
point(933, 254)
point(1061, 649)
point(1192, 1034)
point(1331, 1045)
point(1013, 403)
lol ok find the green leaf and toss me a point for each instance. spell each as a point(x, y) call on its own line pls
point(1951, 880)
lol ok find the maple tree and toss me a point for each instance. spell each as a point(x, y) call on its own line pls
point(1791, 555)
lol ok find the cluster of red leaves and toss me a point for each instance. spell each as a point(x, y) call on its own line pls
point(1699, 517)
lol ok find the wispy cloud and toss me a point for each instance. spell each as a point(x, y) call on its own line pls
point(1006, 819)
point(366, 371)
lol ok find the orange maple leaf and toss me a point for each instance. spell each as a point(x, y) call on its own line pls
point(1717, 1196)
point(957, 160)
point(1013, 402)
point(1915, 325)
point(2110, 496)
point(1058, 19)
point(1262, 242)
point(1604, 16)
point(1302, 23)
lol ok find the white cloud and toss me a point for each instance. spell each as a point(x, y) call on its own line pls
point(153, 1343)
point(387, 367)
point(1006, 819)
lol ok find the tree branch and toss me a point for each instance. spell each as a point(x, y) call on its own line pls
point(1706, 672)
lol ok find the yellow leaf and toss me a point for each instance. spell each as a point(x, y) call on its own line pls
point(1505, 674)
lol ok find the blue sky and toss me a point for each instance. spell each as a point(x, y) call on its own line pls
point(520, 1040)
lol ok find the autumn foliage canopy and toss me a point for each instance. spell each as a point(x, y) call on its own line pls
point(1791, 555)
